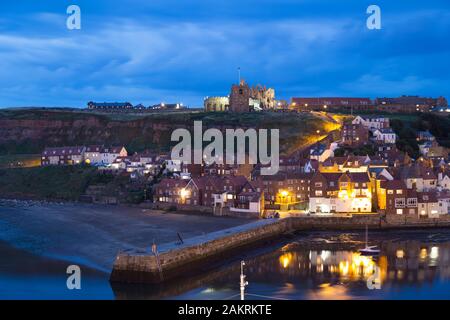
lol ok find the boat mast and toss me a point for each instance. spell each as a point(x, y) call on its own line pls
point(367, 236)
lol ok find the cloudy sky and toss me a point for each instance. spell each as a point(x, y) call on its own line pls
point(153, 51)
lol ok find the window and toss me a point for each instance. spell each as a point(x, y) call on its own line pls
point(390, 192)
point(318, 193)
point(399, 202)
point(399, 211)
point(399, 191)
point(318, 184)
point(412, 202)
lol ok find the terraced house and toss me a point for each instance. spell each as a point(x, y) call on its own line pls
point(340, 193)
point(63, 156)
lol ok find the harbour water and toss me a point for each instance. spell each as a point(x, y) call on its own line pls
point(413, 264)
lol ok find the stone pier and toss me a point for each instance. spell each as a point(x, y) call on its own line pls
point(199, 253)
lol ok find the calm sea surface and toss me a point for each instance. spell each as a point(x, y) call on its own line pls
point(312, 265)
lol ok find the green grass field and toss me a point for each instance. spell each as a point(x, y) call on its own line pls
point(53, 182)
point(20, 160)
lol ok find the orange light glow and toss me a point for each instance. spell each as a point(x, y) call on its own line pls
point(285, 260)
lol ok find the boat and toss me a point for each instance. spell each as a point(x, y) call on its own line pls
point(369, 250)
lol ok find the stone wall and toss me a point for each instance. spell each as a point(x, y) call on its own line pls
point(177, 207)
point(343, 222)
point(413, 221)
point(145, 268)
point(200, 252)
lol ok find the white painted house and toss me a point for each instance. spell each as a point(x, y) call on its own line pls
point(322, 153)
point(372, 123)
point(386, 135)
point(443, 181)
point(173, 165)
point(110, 154)
point(93, 154)
point(63, 156)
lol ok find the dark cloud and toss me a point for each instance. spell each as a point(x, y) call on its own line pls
point(151, 51)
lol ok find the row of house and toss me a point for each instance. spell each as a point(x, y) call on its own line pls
point(350, 185)
point(404, 104)
point(429, 147)
point(362, 130)
point(121, 106)
point(234, 193)
point(315, 180)
point(74, 155)
point(411, 189)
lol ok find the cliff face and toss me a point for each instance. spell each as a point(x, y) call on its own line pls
point(23, 131)
point(33, 135)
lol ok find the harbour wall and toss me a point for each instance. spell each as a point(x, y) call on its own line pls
point(200, 253)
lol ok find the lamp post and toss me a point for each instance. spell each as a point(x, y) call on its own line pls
point(242, 283)
point(284, 194)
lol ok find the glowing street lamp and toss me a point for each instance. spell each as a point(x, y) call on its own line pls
point(285, 260)
point(184, 194)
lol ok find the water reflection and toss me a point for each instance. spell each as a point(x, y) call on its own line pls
point(308, 269)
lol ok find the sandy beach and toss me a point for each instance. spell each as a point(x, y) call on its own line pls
point(92, 235)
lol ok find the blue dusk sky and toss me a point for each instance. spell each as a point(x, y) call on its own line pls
point(153, 51)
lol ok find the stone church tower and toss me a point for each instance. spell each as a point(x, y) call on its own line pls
point(240, 98)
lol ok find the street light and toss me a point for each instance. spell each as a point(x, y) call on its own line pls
point(184, 194)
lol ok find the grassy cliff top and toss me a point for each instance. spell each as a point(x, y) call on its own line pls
point(296, 129)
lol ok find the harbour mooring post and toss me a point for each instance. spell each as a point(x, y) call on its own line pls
point(243, 283)
point(156, 253)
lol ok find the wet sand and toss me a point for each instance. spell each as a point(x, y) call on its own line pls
point(92, 235)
